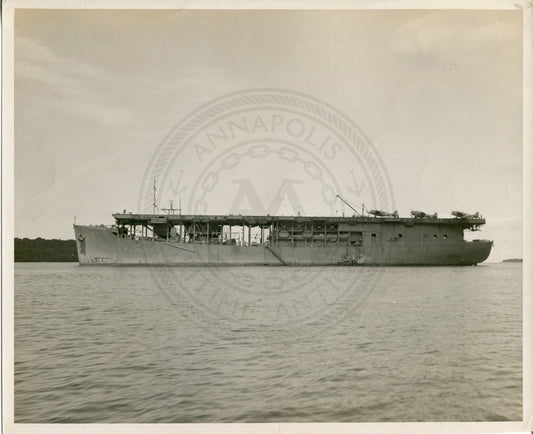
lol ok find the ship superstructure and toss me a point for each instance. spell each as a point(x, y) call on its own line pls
point(377, 239)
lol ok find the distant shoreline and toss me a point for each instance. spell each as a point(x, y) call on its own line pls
point(513, 260)
point(43, 250)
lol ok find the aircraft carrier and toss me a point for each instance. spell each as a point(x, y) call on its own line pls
point(374, 238)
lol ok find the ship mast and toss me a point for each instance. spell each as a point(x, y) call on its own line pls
point(155, 189)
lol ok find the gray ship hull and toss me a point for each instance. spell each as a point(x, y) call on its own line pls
point(98, 245)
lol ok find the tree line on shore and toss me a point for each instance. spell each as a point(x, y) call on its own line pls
point(42, 250)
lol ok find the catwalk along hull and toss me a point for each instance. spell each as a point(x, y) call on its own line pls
point(98, 245)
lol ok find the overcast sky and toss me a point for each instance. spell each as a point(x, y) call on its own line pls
point(439, 94)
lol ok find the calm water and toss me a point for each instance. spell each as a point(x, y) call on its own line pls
point(267, 344)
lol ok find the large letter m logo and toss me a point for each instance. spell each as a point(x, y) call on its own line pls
point(246, 189)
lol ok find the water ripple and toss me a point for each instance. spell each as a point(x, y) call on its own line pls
point(426, 344)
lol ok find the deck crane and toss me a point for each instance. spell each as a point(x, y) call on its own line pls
point(351, 206)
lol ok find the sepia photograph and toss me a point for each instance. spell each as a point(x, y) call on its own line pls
point(265, 219)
